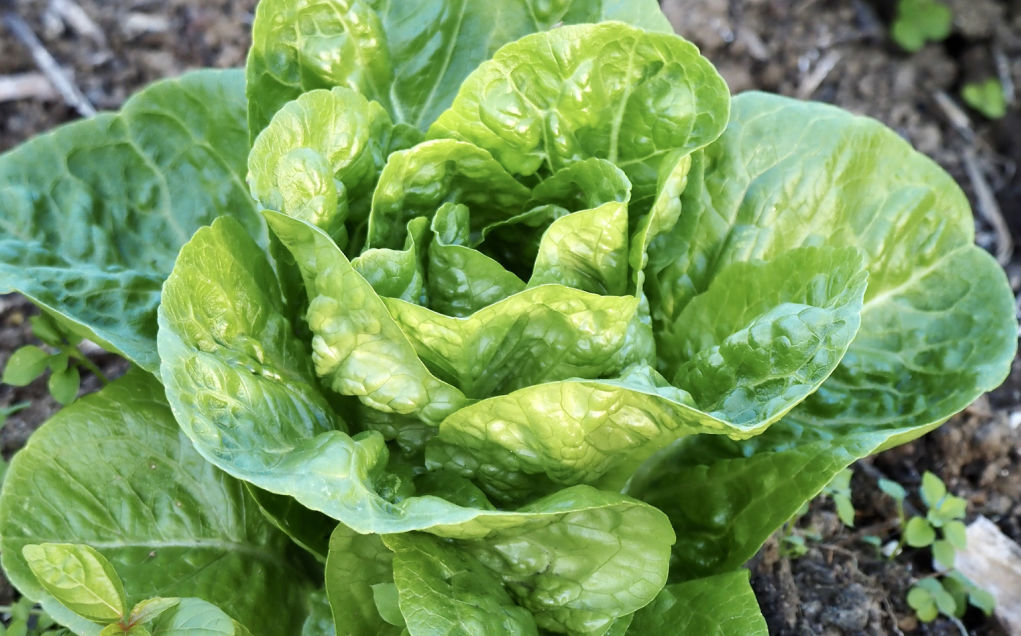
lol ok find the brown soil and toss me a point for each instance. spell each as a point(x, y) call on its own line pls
point(836, 51)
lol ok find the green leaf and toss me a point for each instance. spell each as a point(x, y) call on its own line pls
point(356, 565)
point(943, 553)
point(920, 21)
point(588, 249)
point(320, 157)
point(608, 90)
point(78, 577)
point(384, 373)
point(951, 507)
point(725, 498)
point(307, 528)
point(845, 510)
point(95, 212)
point(195, 617)
point(956, 533)
point(918, 533)
point(462, 280)
point(118, 474)
point(541, 334)
point(982, 599)
point(25, 365)
point(893, 489)
point(920, 600)
point(397, 273)
point(444, 590)
point(830, 178)
point(591, 431)
point(409, 58)
point(765, 335)
point(64, 385)
point(722, 604)
point(933, 490)
point(147, 610)
point(415, 182)
point(387, 602)
point(987, 97)
point(46, 329)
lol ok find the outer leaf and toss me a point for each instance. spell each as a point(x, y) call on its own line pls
point(541, 334)
point(357, 562)
point(115, 472)
point(721, 605)
point(725, 498)
point(409, 57)
point(94, 250)
point(765, 335)
point(195, 617)
point(787, 174)
point(609, 90)
point(78, 577)
point(308, 529)
point(444, 590)
point(417, 181)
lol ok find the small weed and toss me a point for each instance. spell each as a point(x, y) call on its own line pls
point(30, 362)
point(919, 22)
point(986, 97)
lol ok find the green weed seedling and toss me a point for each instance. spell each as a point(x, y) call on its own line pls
point(919, 22)
point(25, 619)
point(942, 530)
point(30, 362)
point(986, 97)
point(86, 584)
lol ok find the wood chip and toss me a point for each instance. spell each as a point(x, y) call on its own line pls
point(26, 86)
point(993, 562)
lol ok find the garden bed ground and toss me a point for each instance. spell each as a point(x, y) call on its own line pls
point(836, 51)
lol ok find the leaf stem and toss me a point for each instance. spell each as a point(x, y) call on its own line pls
point(84, 361)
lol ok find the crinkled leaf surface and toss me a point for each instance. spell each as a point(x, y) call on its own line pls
point(445, 590)
point(409, 57)
point(95, 212)
point(609, 90)
point(357, 347)
point(541, 334)
point(320, 156)
point(113, 471)
point(415, 182)
point(722, 605)
point(787, 174)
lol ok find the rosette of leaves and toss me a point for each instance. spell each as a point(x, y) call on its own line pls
point(554, 328)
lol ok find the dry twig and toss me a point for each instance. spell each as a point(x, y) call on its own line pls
point(48, 65)
point(989, 208)
point(812, 81)
point(25, 86)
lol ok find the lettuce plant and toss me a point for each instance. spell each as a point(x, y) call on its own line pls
point(459, 317)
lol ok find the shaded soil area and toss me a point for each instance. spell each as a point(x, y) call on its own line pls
point(838, 51)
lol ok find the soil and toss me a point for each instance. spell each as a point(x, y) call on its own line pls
point(837, 51)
